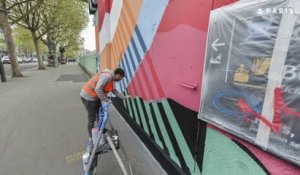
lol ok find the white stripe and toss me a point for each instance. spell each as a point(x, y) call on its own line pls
point(114, 17)
point(104, 33)
point(276, 70)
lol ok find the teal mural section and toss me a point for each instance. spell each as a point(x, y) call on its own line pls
point(223, 157)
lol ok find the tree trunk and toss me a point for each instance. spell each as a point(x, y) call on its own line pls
point(51, 51)
point(16, 72)
point(37, 50)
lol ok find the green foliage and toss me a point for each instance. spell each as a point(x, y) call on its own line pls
point(2, 42)
point(68, 18)
point(23, 40)
point(51, 21)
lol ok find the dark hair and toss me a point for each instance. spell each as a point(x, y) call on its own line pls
point(119, 71)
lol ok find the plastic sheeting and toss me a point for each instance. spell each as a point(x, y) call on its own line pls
point(251, 83)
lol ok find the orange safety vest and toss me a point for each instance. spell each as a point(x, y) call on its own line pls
point(90, 86)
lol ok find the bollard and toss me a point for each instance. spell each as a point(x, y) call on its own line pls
point(2, 72)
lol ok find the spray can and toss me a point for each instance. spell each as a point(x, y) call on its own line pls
point(85, 161)
point(94, 135)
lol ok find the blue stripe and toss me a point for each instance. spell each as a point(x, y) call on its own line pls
point(136, 50)
point(127, 64)
point(138, 33)
point(139, 47)
point(131, 58)
point(130, 48)
point(123, 67)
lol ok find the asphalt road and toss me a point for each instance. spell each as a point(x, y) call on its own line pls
point(23, 66)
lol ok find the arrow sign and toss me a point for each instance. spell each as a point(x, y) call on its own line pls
point(215, 44)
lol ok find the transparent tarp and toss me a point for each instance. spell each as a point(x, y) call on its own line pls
point(249, 44)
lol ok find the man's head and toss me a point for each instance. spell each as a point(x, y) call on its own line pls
point(119, 74)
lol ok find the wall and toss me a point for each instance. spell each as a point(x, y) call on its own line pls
point(88, 61)
point(161, 46)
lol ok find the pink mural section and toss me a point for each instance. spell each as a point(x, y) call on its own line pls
point(179, 42)
point(104, 6)
point(172, 67)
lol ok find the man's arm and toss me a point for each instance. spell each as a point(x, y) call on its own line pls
point(118, 94)
point(103, 80)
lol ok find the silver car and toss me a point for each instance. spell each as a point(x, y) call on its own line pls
point(5, 60)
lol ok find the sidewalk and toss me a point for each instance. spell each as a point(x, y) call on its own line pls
point(43, 128)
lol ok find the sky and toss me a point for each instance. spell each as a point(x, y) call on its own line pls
point(89, 35)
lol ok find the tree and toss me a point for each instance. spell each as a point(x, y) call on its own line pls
point(63, 21)
point(9, 40)
point(29, 16)
point(2, 43)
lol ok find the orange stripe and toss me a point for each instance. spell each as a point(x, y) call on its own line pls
point(117, 44)
point(130, 12)
point(129, 16)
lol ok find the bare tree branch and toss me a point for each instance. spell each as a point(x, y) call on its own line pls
point(22, 15)
point(18, 3)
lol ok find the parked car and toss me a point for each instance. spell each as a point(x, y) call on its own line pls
point(34, 60)
point(19, 60)
point(63, 61)
point(5, 60)
point(26, 60)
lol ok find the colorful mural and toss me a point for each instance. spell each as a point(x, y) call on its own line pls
point(161, 46)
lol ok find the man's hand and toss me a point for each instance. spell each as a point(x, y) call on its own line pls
point(107, 101)
point(128, 96)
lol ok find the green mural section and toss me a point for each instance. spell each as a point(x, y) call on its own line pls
point(223, 157)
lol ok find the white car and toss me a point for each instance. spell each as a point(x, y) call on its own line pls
point(5, 60)
point(26, 60)
point(19, 60)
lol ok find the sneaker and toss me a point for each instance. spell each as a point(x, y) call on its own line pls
point(90, 145)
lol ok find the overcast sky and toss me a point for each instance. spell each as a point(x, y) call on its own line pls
point(89, 36)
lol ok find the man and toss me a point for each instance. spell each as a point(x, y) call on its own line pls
point(95, 91)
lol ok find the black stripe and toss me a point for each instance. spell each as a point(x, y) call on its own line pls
point(200, 147)
point(138, 33)
point(137, 54)
point(169, 166)
point(173, 139)
point(158, 130)
point(252, 156)
point(138, 113)
point(146, 118)
point(132, 111)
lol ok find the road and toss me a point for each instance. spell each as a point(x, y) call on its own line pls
point(23, 66)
